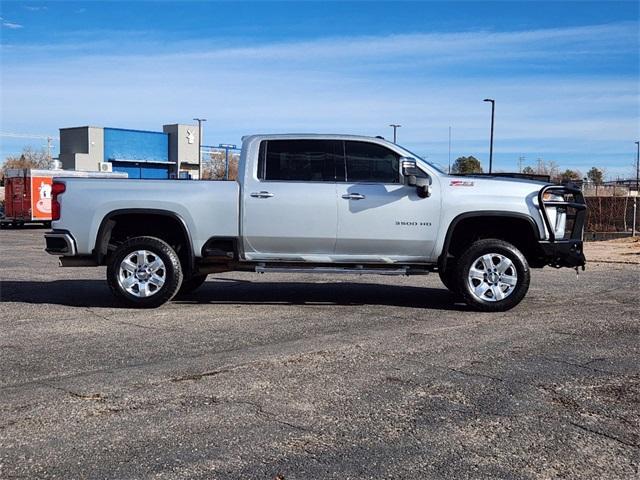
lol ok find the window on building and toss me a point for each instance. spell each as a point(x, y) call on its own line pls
point(300, 160)
point(369, 162)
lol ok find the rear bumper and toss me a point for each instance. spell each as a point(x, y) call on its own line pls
point(567, 253)
point(60, 243)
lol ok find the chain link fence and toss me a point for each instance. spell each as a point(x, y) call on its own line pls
point(612, 214)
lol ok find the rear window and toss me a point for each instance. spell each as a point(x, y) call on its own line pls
point(369, 162)
point(300, 160)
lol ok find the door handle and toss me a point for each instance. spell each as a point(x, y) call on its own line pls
point(353, 196)
point(262, 194)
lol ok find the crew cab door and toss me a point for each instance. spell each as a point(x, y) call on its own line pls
point(289, 202)
point(379, 218)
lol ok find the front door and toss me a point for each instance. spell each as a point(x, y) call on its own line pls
point(289, 202)
point(379, 218)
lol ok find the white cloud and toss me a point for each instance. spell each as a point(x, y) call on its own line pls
point(11, 25)
point(425, 82)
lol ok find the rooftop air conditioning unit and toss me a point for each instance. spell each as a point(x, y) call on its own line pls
point(106, 167)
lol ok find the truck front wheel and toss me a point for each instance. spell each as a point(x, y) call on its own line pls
point(144, 272)
point(492, 275)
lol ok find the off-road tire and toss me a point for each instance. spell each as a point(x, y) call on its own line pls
point(173, 274)
point(499, 247)
point(191, 284)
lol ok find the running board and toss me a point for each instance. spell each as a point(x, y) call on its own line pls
point(343, 270)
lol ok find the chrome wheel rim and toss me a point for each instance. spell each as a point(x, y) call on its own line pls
point(142, 273)
point(492, 277)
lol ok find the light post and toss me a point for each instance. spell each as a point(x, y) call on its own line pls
point(493, 111)
point(226, 147)
point(449, 150)
point(199, 120)
point(635, 199)
point(638, 168)
point(395, 127)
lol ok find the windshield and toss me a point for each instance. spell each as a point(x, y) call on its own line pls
point(431, 164)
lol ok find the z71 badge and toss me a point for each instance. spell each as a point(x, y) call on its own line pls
point(461, 183)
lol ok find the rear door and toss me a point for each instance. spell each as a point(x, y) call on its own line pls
point(289, 202)
point(379, 218)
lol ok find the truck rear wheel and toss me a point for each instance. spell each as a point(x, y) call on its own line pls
point(144, 272)
point(492, 275)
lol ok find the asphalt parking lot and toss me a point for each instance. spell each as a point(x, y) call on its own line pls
point(294, 377)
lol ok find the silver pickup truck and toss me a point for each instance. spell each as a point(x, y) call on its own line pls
point(322, 204)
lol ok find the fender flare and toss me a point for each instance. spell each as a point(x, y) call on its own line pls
point(444, 256)
point(107, 224)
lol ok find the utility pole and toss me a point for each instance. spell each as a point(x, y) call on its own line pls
point(449, 150)
point(49, 145)
point(199, 120)
point(520, 163)
point(48, 138)
point(395, 127)
point(493, 111)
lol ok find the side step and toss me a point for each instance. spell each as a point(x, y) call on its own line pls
point(357, 270)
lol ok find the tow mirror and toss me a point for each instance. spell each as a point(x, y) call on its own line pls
point(414, 177)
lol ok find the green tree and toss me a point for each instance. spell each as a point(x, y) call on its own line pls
point(467, 165)
point(528, 170)
point(596, 176)
point(570, 175)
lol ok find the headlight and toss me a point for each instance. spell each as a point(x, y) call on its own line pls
point(552, 197)
point(557, 215)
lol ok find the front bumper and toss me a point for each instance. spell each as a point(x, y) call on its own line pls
point(563, 253)
point(568, 251)
point(60, 243)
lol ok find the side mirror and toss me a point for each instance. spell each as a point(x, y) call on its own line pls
point(414, 177)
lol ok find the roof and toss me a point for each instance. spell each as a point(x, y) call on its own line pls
point(324, 136)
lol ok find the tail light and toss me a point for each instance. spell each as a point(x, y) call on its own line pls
point(57, 189)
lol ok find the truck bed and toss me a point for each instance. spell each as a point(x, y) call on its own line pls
point(214, 204)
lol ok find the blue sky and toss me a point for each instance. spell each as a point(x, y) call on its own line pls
point(564, 74)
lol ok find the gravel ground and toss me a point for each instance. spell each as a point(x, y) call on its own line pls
point(296, 377)
point(621, 250)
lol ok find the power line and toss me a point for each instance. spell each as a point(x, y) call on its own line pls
point(27, 135)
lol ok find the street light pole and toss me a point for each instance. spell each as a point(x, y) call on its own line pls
point(395, 127)
point(449, 150)
point(199, 120)
point(638, 168)
point(493, 111)
point(635, 199)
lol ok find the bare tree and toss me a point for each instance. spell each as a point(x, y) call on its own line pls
point(28, 158)
point(214, 167)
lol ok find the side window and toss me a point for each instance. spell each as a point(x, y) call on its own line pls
point(299, 160)
point(369, 162)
